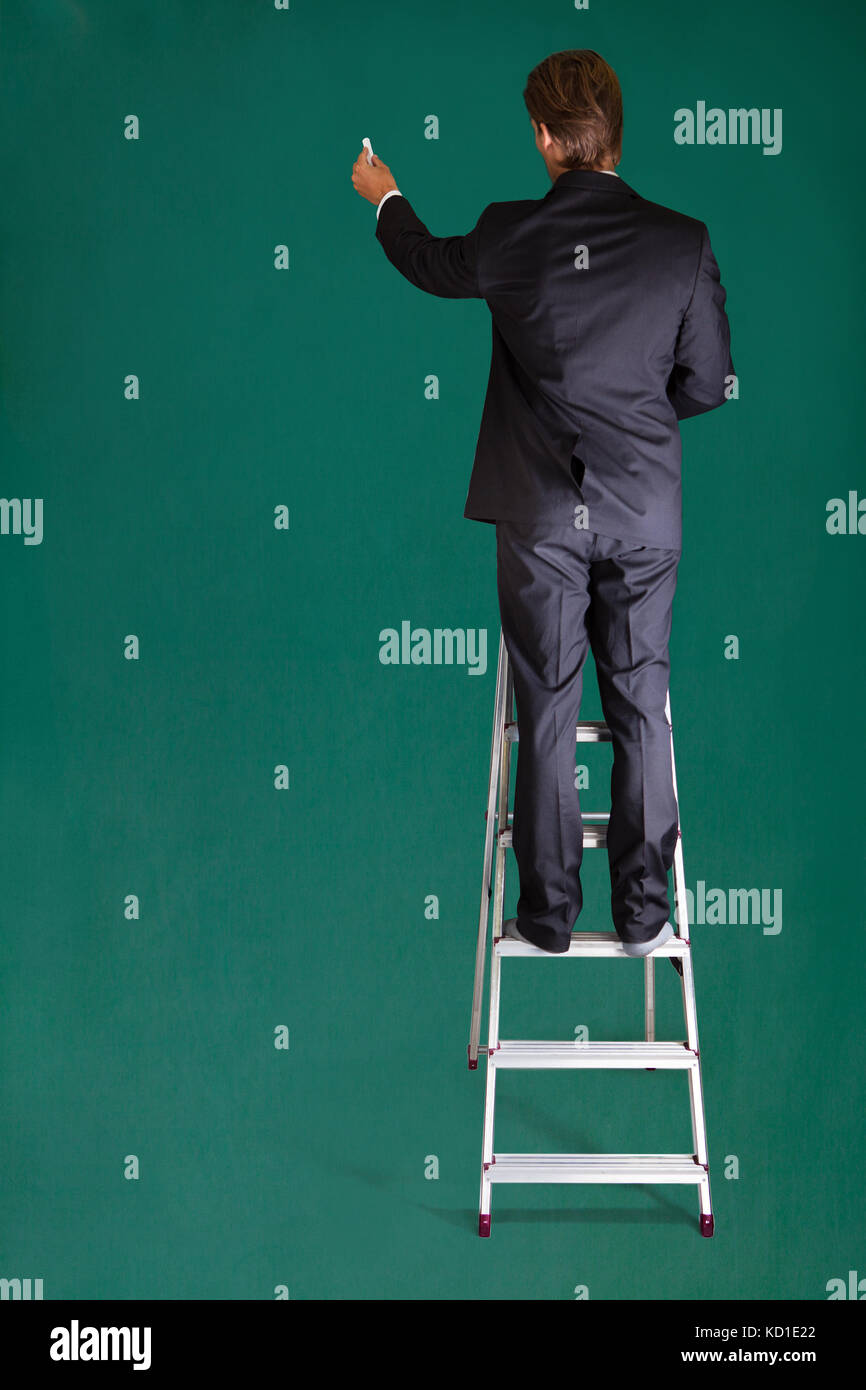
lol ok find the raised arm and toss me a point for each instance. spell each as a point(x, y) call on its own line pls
point(444, 266)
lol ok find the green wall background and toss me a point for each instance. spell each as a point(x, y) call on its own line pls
point(304, 907)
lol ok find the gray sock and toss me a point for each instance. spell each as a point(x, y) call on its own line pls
point(644, 948)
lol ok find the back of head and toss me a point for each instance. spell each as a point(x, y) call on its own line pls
point(576, 94)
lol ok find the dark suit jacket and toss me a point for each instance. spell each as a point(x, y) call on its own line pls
point(591, 368)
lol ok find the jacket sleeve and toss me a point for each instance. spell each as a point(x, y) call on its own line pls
point(444, 266)
point(702, 358)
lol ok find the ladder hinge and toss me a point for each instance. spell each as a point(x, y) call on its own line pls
point(705, 1166)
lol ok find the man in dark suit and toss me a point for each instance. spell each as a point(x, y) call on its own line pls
point(609, 327)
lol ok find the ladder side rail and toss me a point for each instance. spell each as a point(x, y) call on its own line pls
point(502, 812)
point(649, 999)
point(695, 1080)
point(681, 912)
point(495, 759)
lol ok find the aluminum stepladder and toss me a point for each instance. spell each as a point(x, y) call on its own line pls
point(648, 1055)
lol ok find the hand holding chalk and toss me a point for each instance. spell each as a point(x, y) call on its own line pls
point(370, 177)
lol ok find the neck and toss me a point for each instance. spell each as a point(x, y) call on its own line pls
point(607, 168)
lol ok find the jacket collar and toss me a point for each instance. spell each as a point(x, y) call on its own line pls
point(592, 178)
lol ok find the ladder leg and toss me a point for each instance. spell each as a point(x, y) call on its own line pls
point(681, 923)
point(681, 909)
point(502, 809)
point(696, 1096)
point(696, 1090)
point(495, 761)
point(484, 1216)
point(504, 772)
point(707, 1219)
point(649, 1001)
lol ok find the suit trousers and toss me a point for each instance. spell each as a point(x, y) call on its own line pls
point(561, 591)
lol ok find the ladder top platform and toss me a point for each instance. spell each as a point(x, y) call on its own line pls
point(589, 943)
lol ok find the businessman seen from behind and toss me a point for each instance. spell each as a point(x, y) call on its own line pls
point(608, 328)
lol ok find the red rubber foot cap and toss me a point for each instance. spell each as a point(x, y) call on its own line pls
point(707, 1225)
point(473, 1066)
point(484, 1225)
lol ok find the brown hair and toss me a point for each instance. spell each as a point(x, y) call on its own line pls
point(577, 96)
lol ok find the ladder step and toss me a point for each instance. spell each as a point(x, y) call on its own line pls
point(595, 1168)
point(592, 1054)
point(587, 731)
point(594, 836)
point(589, 943)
